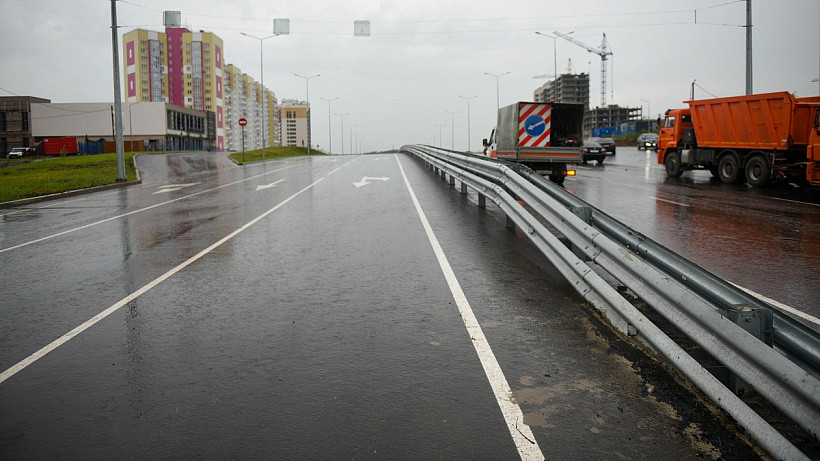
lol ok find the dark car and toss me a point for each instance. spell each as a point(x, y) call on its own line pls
point(606, 143)
point(593, 151)
point(648, 141)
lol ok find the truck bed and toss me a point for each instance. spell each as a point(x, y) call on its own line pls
point(760, 121)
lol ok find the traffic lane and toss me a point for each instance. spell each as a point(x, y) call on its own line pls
point(25, 224)
point(584, 394)
point(326, 331)
point(762, 239)
point(65, 280)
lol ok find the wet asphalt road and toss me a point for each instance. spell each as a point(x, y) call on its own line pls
point(762, 239)
point(324, 329)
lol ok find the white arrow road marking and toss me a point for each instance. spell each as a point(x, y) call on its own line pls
point(174, 187)
point(542, 122)
point(365, 181)
point(268, 186)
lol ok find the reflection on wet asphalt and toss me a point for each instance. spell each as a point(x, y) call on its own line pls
point(763, 239)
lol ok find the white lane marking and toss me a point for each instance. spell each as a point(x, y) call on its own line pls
point(268, 186)
point(337, 169)
point(366, 180)
point(93, 320)
point(524, 440)
point(794, 201)
point(173, 187)
point(669, 201)
point(780, 305)
point(59, 234)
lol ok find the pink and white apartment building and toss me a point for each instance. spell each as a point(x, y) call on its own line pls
point(179, 67)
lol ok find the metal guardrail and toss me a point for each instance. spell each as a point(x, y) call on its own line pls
point(695, 301)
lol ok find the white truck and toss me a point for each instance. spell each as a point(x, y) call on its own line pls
point(544, 136)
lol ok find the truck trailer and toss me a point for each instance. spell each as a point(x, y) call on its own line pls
point(754, 138)
point(544, 136)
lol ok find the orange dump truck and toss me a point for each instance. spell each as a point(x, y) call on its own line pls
point(754, 138)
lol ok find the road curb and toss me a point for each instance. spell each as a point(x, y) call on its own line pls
point(72, 193)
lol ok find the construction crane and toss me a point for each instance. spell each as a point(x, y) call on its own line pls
point(603, 52)
point(569, 71)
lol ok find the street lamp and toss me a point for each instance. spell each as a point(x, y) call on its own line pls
point(468, 118)
point(130, 126)
point(307, 91)
point(351, 137)
point(440, 139)
point(329, 139)
point(342, 126)
point(497, 76)
point(262, 82)
point(648, 107)
point(453, 129)
point(554, 52)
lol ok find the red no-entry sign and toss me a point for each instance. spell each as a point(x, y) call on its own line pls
point(242, 122)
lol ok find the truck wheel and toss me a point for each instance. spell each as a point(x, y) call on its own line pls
point(557, 179)
point(672, 164)
point(757, 171)
point(728, 169)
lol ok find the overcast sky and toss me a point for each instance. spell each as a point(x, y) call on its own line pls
point(422, 55)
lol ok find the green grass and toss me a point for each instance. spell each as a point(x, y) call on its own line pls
point(274, 152)
point(61, 174)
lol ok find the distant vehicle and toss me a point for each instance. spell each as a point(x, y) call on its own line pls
point(543, 136)
point(647, 141)
point(757, 138)
point(19, 152)
point(593, 151)
point(606, 143)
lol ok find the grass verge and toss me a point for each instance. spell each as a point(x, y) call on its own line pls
point(61, 174)
point(273, 152)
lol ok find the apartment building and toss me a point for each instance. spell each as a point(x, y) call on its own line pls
point(178, 66)
point(248, 99)
point(570, 88)
point(295, 118)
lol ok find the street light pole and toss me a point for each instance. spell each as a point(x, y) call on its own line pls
point(329, 139)
point(264, 95)
point(648, 107)
point(554, 52)
point(307, 94)
point(453, 129)
point(342, 126)
point(351, 137)
point(468, 118)
point(497, 76)
point(440, 139)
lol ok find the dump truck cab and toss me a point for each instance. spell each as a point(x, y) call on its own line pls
point(671, 138)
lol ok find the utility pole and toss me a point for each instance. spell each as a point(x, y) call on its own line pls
point(329, 139)
point(121, 176)
point(468, 118)
point(749, 89)
point(452, 129)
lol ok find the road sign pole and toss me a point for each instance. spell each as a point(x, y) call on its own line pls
point(243, 144)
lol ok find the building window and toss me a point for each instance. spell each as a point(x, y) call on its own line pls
point(143, 42)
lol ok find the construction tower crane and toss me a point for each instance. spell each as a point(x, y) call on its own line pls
point(603, 52)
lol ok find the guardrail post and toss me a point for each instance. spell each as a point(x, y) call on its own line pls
point(463, 187)
point(482, 201)
point(756, 321)
point(452, 180)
